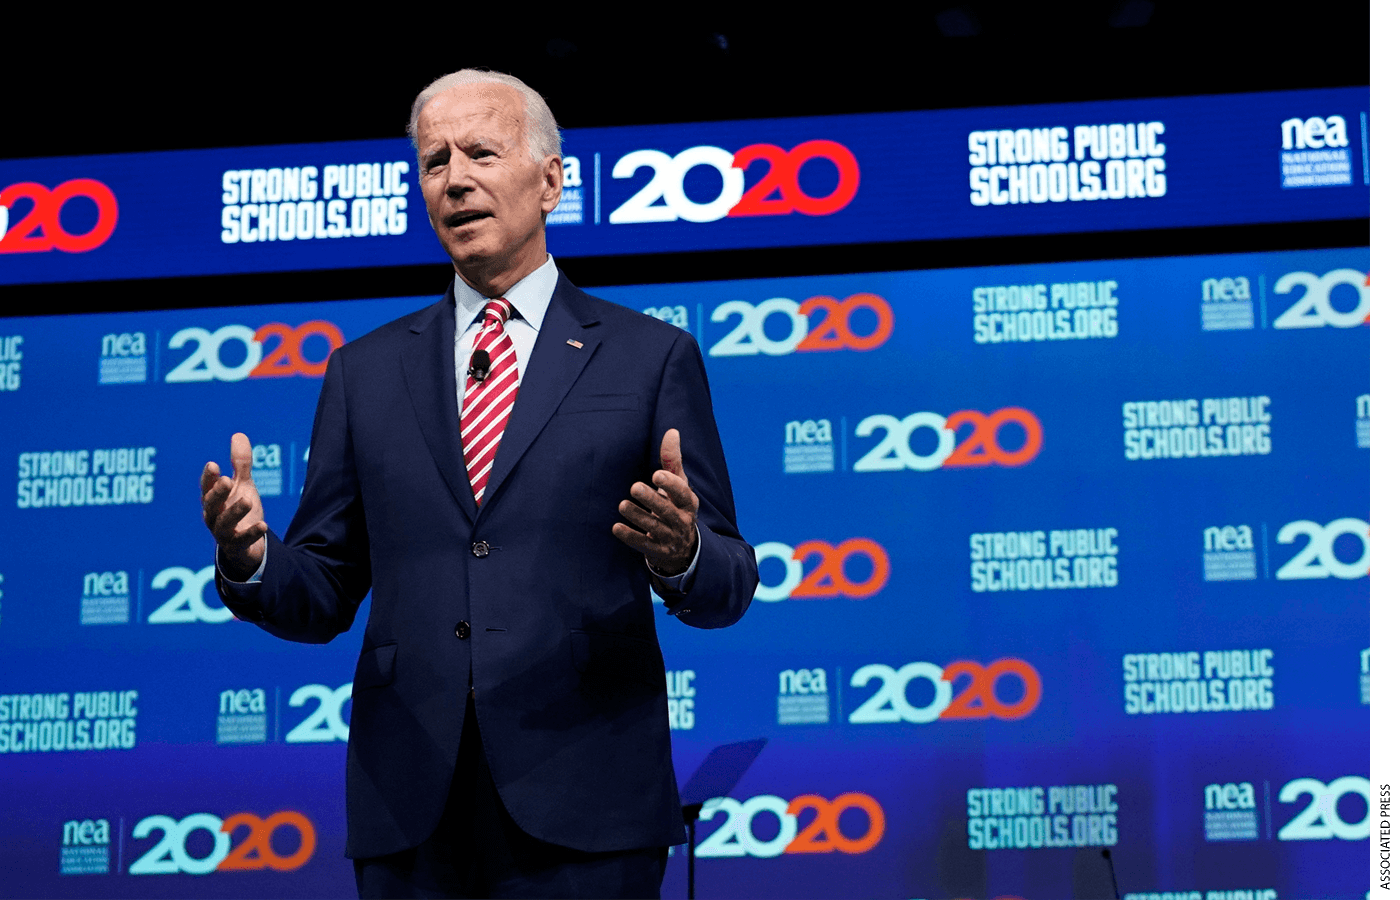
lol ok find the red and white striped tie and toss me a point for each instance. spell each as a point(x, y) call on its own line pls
point(487, 404)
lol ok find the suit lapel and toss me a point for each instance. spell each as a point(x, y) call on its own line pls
point(554, 367)
point(429, 369)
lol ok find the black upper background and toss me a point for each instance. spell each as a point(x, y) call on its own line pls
point(79, 83)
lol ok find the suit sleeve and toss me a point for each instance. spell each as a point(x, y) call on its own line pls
point(726, 573)
point(314, 580)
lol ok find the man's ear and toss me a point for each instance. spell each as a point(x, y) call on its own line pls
point(553, 184)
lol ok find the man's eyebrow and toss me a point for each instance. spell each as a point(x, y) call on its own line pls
point(485, 143)
point(428, 152)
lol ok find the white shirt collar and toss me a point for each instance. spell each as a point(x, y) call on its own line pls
point(529, 297)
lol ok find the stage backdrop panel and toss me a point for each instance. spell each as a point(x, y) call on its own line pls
point(1176, 162)
point(1055, 559)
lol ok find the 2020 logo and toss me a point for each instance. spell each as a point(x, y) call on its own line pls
point(822, 834)
point(779, 192)
point(1318, 558)
point(1320, 820)
point(1314, 308)
point(286, 358)
point(975, 699)
point(326, 722)
point(828, 577)
point(187, 604)
point(254, 851)
point(982, 447)
point(41, 229)
point(833, 330)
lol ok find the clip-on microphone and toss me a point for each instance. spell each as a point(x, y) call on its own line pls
point(480, 365)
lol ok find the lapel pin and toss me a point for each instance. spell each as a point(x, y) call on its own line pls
point(573, 343)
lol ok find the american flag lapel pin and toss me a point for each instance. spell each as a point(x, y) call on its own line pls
point(573, 343)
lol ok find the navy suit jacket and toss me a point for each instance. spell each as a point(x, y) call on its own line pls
point(560, 641)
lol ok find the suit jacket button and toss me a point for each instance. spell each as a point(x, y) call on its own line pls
point(462, 630)
point(480, 549)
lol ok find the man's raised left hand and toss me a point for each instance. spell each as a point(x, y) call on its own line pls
point(659, 519)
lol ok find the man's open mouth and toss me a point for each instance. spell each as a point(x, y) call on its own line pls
point(462, 218)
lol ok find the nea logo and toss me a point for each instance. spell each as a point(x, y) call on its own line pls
point(1229, 537)
point(1315, 153)
point(126, 344)
point(86, 847)
point(803, 698)
point(242, 716)
point(1230, 796)
point(106, 598)
point(123, 358)
point(1229, 553)
point(1314, 133)
point(106, 584)
point(86, 832)
point(811, 431)
point(802, 681)
point(808, 446)
point(1224, 290)
point(1226, 304)
point(243, 702)
point(1231, 813)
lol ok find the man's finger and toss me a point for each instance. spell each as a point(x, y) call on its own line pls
point(649, 498)
point(214, 499)
point(646, 521)
point(208, 477)
point(638, 516)
point(635, 539)
point(675, 490)
point(671, 506)
point(240, 454)
point(218, 492)
point(226, 522)
point(246, 538)
point(671, 453)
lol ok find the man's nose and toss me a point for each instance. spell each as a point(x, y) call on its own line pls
point(459, 177)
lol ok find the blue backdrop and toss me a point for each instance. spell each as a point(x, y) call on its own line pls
point(1055, 558)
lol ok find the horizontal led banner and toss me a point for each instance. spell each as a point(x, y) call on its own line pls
point(1132, 164)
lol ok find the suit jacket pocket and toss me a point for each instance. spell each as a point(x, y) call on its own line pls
point(599, 403)
point(376, 666)
point(607, 657)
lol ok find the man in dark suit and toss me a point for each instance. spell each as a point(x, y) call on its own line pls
point(509, 733)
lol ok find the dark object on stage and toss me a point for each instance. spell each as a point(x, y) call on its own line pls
point(717, 776)
point(1108, 857)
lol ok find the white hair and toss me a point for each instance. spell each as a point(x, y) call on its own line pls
point(541, 131)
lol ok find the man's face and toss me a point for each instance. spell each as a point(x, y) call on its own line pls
point(486, 196)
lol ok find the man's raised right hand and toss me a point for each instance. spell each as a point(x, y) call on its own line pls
point(233, 512)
